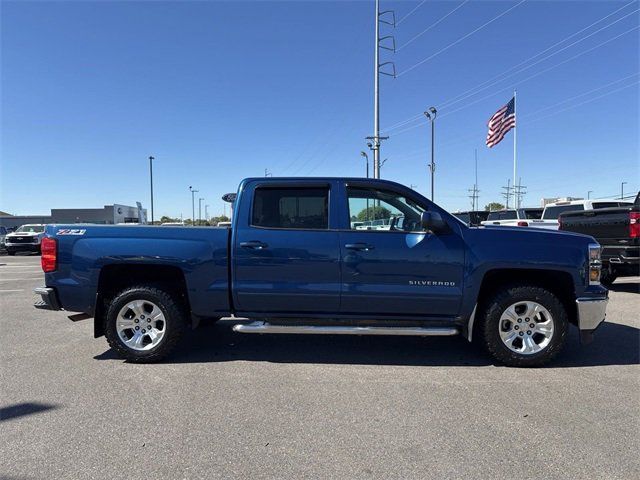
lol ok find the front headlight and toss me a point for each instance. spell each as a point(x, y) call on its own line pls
point(595, 264)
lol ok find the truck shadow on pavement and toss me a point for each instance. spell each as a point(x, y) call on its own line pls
point(23, 409)
point(614, 344)
point(629, 287)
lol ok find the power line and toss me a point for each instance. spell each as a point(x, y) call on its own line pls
point(583, 94)
point(584, 103)
point(464, 94)
point(410, 13)
point(538, 61)
point(492, 81)
point(539, 72)
point(430, 26)
point(461, 38)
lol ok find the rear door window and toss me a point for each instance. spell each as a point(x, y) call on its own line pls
point(291, 208)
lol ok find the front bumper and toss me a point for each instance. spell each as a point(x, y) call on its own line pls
point(49, 299)
point(591, 313)
point(22, 247)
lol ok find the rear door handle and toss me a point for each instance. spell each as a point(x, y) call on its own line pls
point(365, 247)
point(255, 245)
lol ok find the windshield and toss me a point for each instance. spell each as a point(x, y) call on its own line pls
point(503, 215)
point(551, 213)
point(30, 229)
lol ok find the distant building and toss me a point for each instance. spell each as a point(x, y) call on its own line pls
point(109, 214)
point(545, 201)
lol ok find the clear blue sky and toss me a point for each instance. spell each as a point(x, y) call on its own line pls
point(218, 91)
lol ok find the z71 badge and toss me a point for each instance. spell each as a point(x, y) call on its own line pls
point(71, 231)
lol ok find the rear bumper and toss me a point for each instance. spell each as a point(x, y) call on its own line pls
point(591, 314)
point(617, 255)
point(49, 299)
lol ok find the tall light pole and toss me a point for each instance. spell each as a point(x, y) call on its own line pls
point(622, 190)
point(366, 159)
point(200, 210)
point(193, 205)
point(431, 116)
point(151, 159)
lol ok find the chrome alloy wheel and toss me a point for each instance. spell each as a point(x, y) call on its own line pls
point(526, 327)
point(141, 325)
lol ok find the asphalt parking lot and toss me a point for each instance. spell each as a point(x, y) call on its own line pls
point(232, 406)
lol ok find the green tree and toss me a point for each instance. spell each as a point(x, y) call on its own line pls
point(490, 207)
point(374, 213)
point(216, 220)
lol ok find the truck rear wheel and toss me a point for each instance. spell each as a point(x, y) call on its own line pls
point(144, 324)
point(523, 326)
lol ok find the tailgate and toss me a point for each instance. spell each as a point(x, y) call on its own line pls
point(605, 223)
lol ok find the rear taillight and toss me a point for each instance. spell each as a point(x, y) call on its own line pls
point(49, 258)
point(522, 223)
point(634, 224)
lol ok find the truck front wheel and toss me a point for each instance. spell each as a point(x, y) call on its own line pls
point(144, 324)
point(523, 326)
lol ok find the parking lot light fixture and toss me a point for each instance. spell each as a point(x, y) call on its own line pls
point(193, 205)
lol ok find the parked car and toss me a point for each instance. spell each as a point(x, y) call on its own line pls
point(472, 218)
point(172, 224)
point(553, 210)
point(519, 217)
point(291, 263)
point(617, 229)
point(26, 238)
point(3, 233)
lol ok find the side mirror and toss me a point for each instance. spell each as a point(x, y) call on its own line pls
point(433, 221)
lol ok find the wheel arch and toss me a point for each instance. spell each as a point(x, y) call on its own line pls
point(114, 278)
point(558, 282)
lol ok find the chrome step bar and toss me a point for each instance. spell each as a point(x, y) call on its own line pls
point(265, 327)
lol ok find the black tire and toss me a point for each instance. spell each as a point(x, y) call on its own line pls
point(488, 327)
point(11, 253)
point(175, 316)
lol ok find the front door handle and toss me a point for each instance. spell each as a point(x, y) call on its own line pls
point(255, 245)
point(364, 247)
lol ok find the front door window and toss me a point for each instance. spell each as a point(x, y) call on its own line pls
point(385, 210)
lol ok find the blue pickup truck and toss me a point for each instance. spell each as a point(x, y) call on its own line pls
point(328, 256)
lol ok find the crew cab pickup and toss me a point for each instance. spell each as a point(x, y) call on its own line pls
point(292, 263)
point(617, 229)
point(552, 211)
point(26, 238)
point(519, 217)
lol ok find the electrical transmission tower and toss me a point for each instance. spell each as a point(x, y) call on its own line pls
point(474, 192)
point(473, 195)
point(507, 193)
point(387, 42)
point(519, 191)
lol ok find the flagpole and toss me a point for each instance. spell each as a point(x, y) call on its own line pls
point(515, 128)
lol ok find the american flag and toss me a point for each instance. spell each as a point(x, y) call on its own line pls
point(501, 122)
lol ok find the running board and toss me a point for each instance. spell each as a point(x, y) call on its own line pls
point(265, 327)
